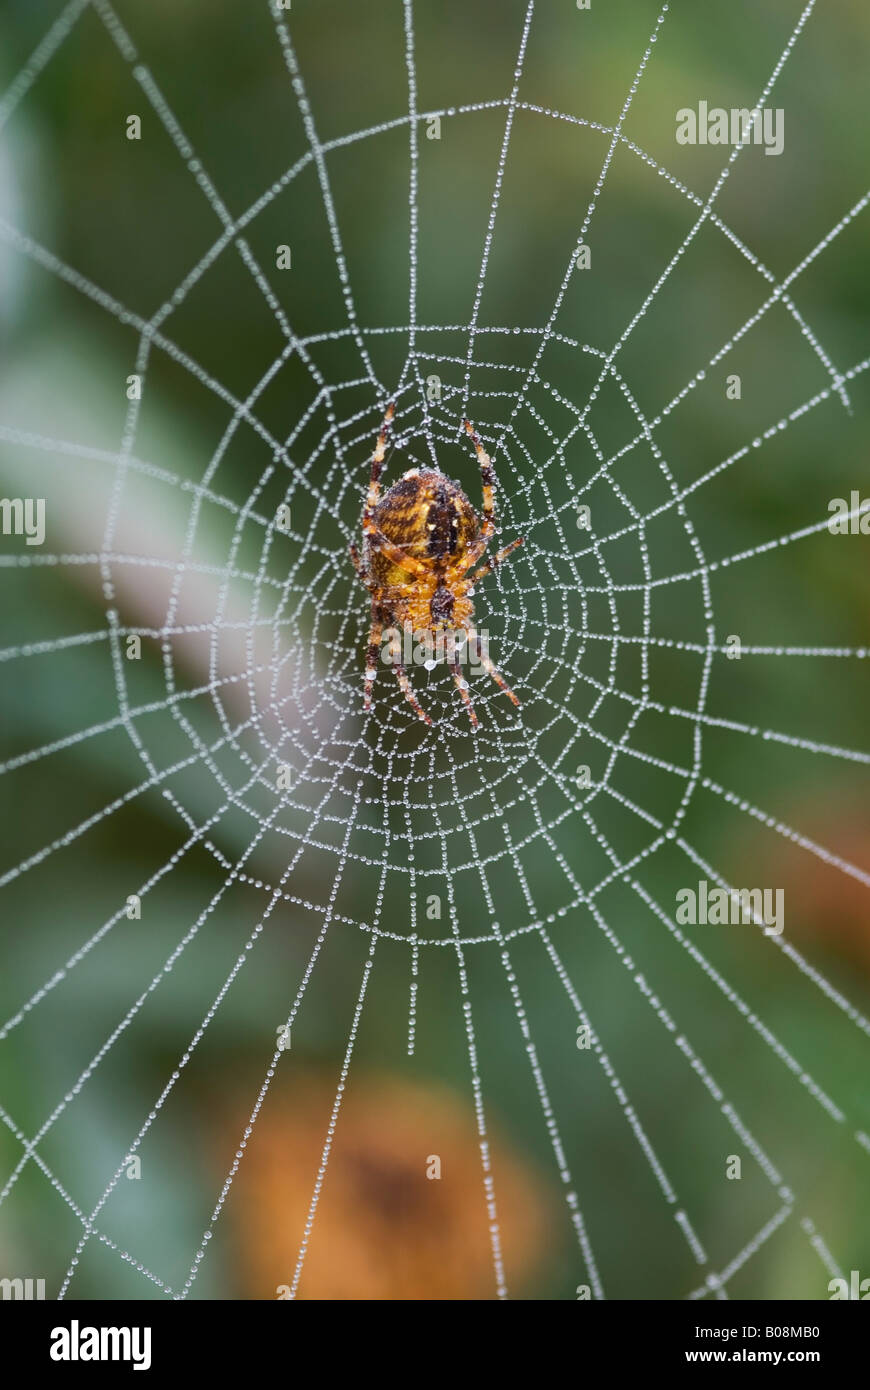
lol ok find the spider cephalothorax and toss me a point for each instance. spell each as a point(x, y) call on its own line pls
point(422, 539)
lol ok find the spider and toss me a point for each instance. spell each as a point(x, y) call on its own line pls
point(420, 541)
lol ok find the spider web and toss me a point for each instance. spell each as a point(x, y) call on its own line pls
point(555, 899)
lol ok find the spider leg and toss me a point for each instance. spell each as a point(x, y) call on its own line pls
point(487, 478)
point(383, 594)
point(375, 536)
point(358, 566)
point(394, 553)
point(462, 687)
point(405, 686)
point(483, 658)
point(378, 460)
point(471, 557)
point(372, 651)
point(496, 560)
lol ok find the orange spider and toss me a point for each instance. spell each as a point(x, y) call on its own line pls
point(421, 539)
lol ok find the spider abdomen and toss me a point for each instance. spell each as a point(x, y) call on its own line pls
point(429, 516)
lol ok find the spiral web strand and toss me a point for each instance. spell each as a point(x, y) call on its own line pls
point(377, 809)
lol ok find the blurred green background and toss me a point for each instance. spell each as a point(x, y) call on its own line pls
point(157, 257)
